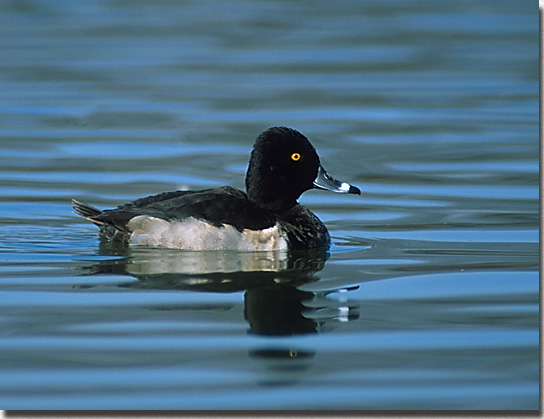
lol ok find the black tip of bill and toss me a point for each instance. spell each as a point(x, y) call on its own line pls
point(327, 182)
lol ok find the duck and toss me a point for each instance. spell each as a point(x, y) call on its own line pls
point(266, 217)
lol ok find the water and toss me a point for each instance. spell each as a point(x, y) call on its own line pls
point(429, 298)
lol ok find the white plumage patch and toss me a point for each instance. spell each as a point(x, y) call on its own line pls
point(193, 234)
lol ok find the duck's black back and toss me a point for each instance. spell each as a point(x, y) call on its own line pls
point(225, 205)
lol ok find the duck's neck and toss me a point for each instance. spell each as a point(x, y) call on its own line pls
point(272, 202)
point(268, 188)
point(270, 195)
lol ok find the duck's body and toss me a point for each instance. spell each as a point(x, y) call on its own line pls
point(211, 219)
point(283, 165)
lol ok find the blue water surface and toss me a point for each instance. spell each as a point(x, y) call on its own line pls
point(429, 296)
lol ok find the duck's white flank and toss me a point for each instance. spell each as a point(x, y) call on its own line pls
point(194, 234)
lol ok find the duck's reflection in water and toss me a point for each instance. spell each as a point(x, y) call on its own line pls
point(275, 301)
point(274, 304)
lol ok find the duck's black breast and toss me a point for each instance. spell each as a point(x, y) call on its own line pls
point(304, 229)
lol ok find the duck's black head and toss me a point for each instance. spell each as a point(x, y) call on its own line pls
point(283, 165)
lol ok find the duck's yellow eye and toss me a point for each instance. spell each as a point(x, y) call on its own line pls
point(295, 156)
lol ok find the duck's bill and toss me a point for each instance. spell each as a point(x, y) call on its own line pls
point(327, 182)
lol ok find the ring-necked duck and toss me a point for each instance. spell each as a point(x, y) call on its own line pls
point(282, 166)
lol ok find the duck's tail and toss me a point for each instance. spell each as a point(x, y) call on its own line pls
point(108, 228)
point(87, 211)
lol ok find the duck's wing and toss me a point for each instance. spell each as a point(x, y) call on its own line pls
point(218, 206)
point(121, 215)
